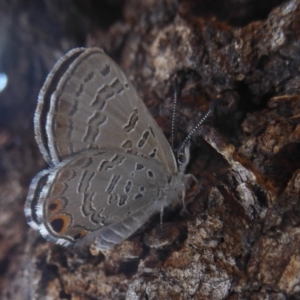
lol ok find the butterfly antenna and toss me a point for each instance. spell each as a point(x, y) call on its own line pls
point(201, 121)
point(175, 86)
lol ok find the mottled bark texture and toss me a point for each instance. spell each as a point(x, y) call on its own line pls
point(240, 235)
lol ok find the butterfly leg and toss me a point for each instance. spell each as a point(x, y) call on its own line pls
point(187, 185)
point(184, 209)
point(189, 177)
point(162, 209)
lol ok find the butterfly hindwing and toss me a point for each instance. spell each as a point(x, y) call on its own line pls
point(94, 194)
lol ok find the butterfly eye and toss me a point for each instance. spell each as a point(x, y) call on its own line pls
point(181, 158)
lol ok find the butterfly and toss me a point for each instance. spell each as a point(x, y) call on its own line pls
point(110, 165)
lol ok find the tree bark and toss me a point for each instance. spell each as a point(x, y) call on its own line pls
point(239, 236)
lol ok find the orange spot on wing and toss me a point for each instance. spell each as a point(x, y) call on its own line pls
point(54, 206)
point(60, 223)
point(57, 189)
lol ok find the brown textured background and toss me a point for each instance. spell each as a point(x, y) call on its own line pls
point(240, 237)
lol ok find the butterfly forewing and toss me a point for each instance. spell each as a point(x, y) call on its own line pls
point(93, 105)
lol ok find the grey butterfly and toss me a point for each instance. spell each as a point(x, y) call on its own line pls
point(111, 167)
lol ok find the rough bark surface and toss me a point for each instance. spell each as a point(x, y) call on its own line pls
point(240, 235)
